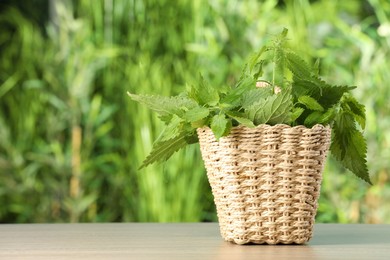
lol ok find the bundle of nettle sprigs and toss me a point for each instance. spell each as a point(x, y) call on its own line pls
point(292, 94)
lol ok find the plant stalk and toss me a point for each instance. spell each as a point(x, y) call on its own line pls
point(76, 170)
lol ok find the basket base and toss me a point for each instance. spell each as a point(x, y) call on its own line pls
point(285, 239)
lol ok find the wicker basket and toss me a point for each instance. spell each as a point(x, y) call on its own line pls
point(266, 181)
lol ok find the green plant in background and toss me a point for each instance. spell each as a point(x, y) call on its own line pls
point(301, 98)
point(159, 46)
point(56, 101)
point(80, 123)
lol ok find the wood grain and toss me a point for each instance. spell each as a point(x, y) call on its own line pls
point(182, 241)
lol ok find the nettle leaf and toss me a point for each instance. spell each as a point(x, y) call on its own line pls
point(328, 116)
point(229, 126)
point(254, 68)
point(233, 98)
point(332, 95)
point(240, 118)
point(172, 130)
point(358, 110)
point(255, 61)
point(161, 151)
point(204, 94)
point(296, 113)
point(196, 114)
point(272, 110)
point(252, 96)
point(219, 125)
point(280, 64)
point(310, 103)
point(313, 118)
point(299, 67)
point(323, 93)
point(306, 87)
point(258, 70)
point(320, 117)
point(199, 123)
point(165, 106)
point(349, 147)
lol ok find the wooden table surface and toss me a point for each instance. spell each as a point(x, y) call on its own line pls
point(182, 241)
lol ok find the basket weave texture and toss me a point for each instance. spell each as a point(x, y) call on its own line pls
point(266, 181)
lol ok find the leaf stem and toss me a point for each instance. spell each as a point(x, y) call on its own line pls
point(274, 70)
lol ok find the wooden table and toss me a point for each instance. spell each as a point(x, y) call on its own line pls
point(182, 241)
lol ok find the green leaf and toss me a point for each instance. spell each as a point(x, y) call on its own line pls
point(349, 146)
point(258, 70)
point(254, 60)
point(279, 60)
point(163, 150)
point(196, 114)
point(172, 130)
point(272, 110)
point(252, 96)
point(328, 116)
point(164, 106)
point(332, 95)
point(310, 103)
point(313, 118)
point(240, 118)
point(256, 64)
point(204, 94)
point(228, 128)
point(233, 98)
point(219, 124)
point(323, 93)
point(199, 123)
point(320, 117)
point(296, 113)
point(358, 110)
point(308, 87)
point(298, 66)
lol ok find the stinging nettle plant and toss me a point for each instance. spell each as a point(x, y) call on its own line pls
point(291, 93)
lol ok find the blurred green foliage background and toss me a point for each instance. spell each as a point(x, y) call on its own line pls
point(71, 140)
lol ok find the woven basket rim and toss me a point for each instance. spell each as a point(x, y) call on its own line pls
point(316, 126)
